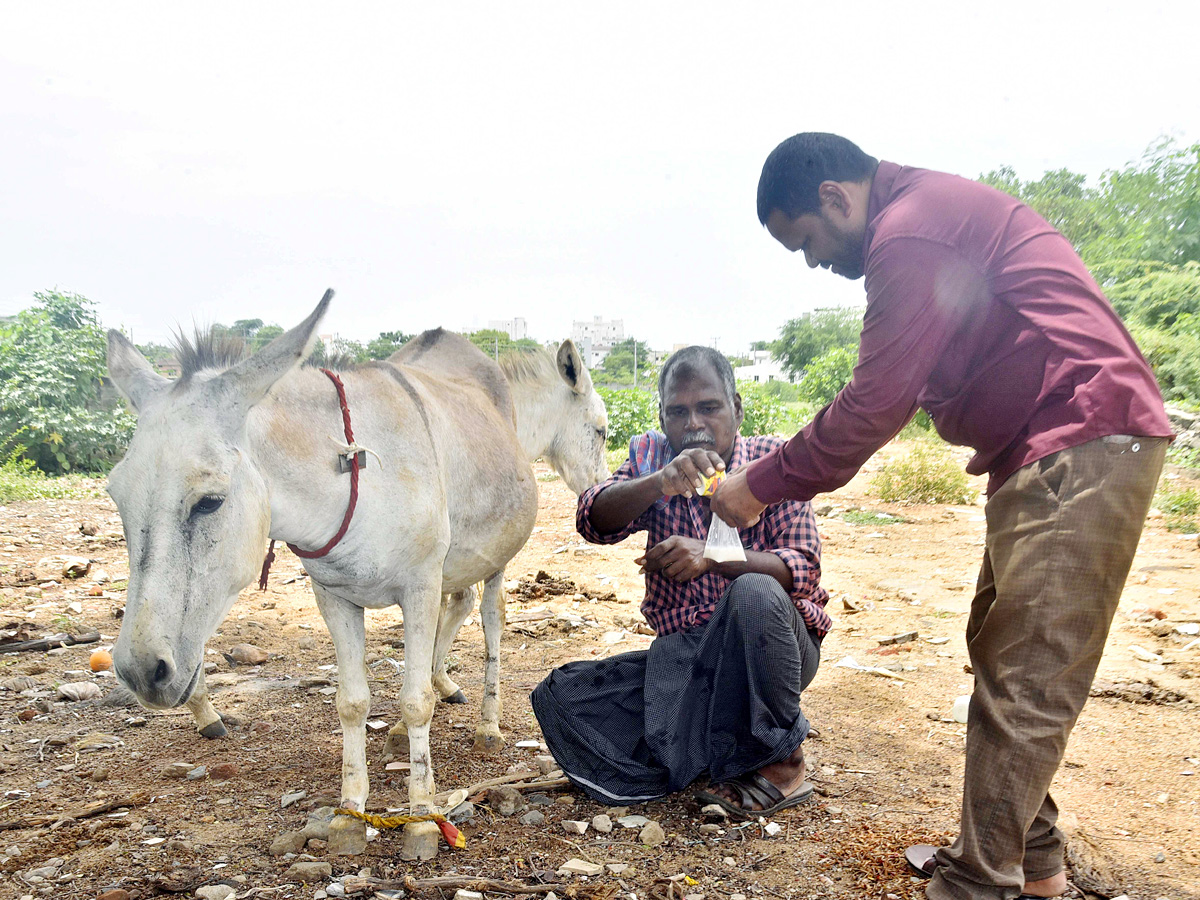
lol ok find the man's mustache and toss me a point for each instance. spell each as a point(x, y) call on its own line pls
point(698, 437)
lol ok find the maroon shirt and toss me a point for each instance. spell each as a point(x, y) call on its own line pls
point(983, 315)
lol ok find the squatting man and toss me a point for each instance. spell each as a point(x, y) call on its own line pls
point(718, 691)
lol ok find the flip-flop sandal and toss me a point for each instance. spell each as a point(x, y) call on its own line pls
point(752, 788)
point(920, 859)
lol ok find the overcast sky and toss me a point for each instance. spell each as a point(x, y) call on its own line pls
point(451, 163)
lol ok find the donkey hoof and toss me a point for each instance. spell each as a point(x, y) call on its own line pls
point(457, 697)
point(347, 836)
point(420, 841)
point(488, 742)
point(214, 730)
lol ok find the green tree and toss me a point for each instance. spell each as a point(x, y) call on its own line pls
point(386, 344)
point(804, 339)
point(828, 374)
point(263, 335)
point(52, 360)
point(617, 367)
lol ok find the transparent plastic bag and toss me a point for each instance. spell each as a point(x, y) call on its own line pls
point(723, 544)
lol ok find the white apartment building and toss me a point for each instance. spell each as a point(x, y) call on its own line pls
point(762, 369)
point(517, 329)
point(595, 338)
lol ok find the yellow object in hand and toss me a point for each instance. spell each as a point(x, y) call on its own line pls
point(710, 483)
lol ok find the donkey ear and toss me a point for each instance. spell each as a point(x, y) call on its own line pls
point(251, 379)
point(132, 373)
point(572, 369)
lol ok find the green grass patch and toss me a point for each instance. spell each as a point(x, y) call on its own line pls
point(1181, 509)
point(927, 474)
point(19, 480)
point(1189, 457)
point(869, 517)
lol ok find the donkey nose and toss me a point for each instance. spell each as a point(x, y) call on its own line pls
point(163, 672)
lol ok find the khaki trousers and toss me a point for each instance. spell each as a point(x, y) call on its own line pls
point(1061, 535)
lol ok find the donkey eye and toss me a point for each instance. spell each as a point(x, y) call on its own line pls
point(603, 432)
point(207, 505)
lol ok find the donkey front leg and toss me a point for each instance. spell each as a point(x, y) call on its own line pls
point(348, 836)
point(208, 720)
point(488, 738)
point(421, 604)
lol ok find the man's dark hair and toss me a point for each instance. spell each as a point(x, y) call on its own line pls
point(694, 358)
point(796, 168)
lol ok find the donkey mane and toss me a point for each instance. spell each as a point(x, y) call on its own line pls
point(207, 349)
point(533, 366)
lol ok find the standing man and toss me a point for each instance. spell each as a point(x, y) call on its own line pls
point(718, 692)
point(983, 315)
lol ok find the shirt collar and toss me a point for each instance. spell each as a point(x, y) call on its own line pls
point(881, 194)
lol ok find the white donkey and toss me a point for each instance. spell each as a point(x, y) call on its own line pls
point(225, 457)
point(560, 418)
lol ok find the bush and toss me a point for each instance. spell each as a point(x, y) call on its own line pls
point(630, 412)
point(21, 480)
point(784, 390)
point(928, 474)
point(828, 374)
point(1181, 509)
point(764, 411)
point(52, 358)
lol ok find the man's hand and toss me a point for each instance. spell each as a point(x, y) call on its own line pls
point(685, 473)
point(679, 558)
point(734, 502)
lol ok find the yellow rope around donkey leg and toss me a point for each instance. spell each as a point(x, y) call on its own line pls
point(453, 836)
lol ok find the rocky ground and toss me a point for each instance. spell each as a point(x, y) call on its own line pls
point(105, 798)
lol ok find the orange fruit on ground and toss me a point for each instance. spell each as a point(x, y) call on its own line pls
point(100, 661)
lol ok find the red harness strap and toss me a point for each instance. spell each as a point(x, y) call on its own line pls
point(333, 542)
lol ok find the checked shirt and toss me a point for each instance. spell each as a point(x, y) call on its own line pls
point(786, 529)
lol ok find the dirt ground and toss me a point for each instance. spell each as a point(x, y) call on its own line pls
point(886, 759)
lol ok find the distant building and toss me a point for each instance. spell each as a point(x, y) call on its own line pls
point(762, 369)
point(596, 338)
point(517, 329)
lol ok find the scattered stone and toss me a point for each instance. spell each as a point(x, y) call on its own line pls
point(505, 800)
point(539, 799)
point(197, 773)
point(291, 798)
point(461, 813)
point(114, 894)
point(710, 828)
point(308, 642)
point(178, 770)
point(616, 868)
point(772, 829)
point(135, 721)
point(247, 655)
point(576, 866)
point(565, 800)
point(75, 691)
point(99, 775)
point(545, 764)
point(464, 894)
point(632, 821)
point(602, 824)
point(714, 811)
point(570, 826)
point(18, 683)
point(288, 842)
point(308, 872)
point(533, 817)
point(652, 834)
point(88, 529)
point(737, 897)
point(76, 566)
point(223, 771)
point(120, 696)
point(97, 741)
point(215, 892)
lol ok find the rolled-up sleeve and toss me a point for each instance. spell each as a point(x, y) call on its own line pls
point(583, 510)
point(791, 534)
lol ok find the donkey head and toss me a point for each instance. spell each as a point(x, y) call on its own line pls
point(577, 450)
point(194, 506)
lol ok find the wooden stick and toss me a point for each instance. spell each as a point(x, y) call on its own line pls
point(522, 781)
point(86, 812)
point(356, 885)
point(49, 643)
